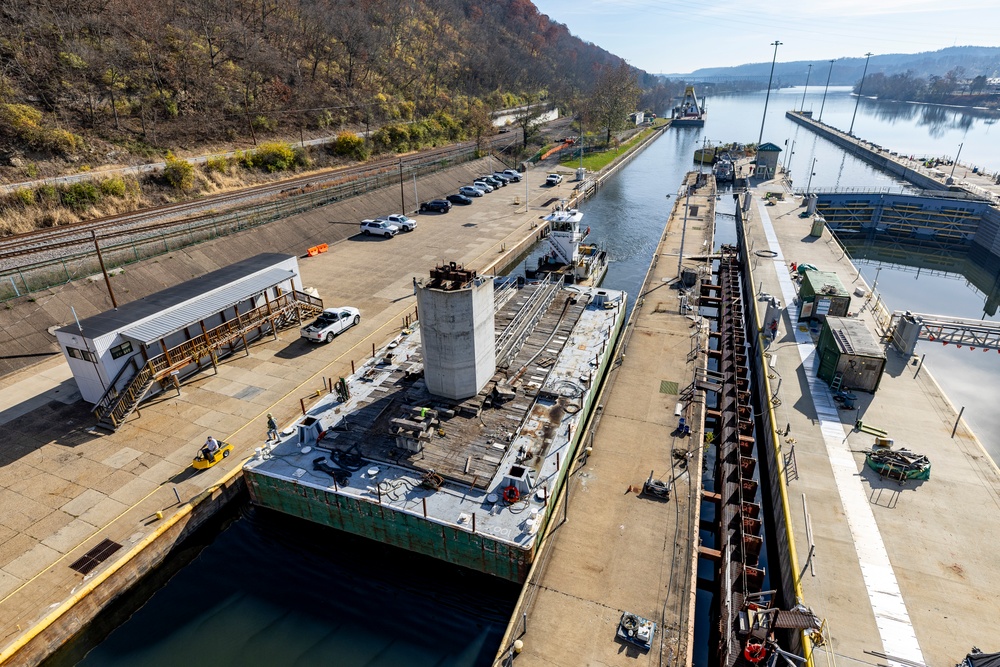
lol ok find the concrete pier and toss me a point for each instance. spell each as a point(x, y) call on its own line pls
point(617, 550)
point(904, 166)
point(906, 571)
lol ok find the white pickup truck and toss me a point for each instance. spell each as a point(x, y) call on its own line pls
point(330, 323)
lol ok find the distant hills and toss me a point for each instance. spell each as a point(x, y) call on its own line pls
point(975, 60)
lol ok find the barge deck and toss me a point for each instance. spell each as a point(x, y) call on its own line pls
point(469, 481)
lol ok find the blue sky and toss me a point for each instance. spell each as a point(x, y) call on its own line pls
point(671, 36)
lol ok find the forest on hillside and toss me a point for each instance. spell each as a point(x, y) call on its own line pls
point(120, 79)
point(955, 87)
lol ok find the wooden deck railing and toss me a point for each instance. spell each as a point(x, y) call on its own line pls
point(116, 405)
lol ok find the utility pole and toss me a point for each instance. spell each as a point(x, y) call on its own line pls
point(829, 74)
point(868, 56)
point(802, 105)
point(402, 195)
point(107, 280)
point(775, 44)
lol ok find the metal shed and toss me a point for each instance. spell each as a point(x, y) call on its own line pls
point(767, 160)
point(822, 294)
point(850, 357)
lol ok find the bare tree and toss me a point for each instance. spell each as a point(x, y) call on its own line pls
point(528, 118)
point(615, 96)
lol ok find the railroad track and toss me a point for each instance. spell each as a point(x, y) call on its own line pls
point(25, 249)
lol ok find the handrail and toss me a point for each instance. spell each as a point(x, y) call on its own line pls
point(112, 391)
point(137, 386)
point(116, 407)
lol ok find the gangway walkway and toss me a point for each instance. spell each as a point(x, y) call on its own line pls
point(906, 328)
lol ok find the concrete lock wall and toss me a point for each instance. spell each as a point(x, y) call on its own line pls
point(457, 335)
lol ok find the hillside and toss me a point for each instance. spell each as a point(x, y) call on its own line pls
point(975, 60)
point(98, 81)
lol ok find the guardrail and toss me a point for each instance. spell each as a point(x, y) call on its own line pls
point(164, 239)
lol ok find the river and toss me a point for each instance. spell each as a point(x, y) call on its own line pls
point(268, 590)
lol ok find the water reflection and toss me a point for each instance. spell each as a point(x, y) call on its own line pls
point(939, 120)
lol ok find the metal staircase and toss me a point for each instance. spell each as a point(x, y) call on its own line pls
point(124, 395)
point(838, 380)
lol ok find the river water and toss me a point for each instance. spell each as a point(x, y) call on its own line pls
point(269, 590)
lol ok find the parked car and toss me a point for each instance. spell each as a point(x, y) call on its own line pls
point(379, 228)
point(330, 323)
point(513, 175)
point(553, 179)
point(492, 180)
point(470, 191)
point(483, 185)
point(459, 199)
point(502, 177)
point(404, 223)
point(436, 205)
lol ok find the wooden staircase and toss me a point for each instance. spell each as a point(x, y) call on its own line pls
point(124, 395)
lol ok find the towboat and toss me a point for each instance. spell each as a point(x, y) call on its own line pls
point(568, 256)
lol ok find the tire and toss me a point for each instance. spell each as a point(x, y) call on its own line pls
point(388, 235)
point(225, 453)
point(366, 232)
point(329, 337)
point(357, 318)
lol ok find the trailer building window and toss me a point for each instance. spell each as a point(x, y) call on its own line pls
point(121, 350)
point(80, 354)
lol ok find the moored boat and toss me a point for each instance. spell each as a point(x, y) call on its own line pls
point(705, 154)
point(724, 170)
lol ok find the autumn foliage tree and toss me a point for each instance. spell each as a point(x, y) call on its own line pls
point(165, 74)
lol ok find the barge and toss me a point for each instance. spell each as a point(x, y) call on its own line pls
point(456, 439)
point(690, 112)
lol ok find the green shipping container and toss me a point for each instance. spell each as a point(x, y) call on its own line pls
point(846, 346)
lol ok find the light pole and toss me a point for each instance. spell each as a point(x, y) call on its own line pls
point(868, 56)
point(828, 75)
point(775, 44)
point(812, 172)
point(955, 163)
point(802, 106)
point(684, 225)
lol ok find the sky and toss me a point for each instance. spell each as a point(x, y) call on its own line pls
point(668, 36)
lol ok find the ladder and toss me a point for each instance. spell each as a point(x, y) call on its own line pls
point(838, 380)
